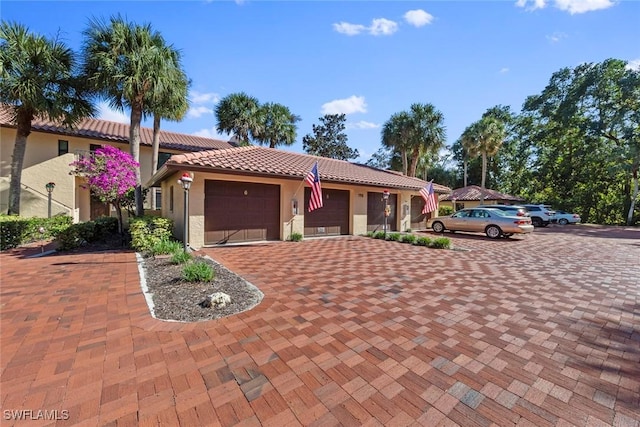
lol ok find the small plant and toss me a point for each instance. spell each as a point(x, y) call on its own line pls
point(165, 247)
point(295, 237)
point(378, 235)
point(441, 243)
point(408, 238)
point(408, 230)
point(423, 241)
point(393, 237)
point(198, 271)
point(369, 234)
point(180, 257)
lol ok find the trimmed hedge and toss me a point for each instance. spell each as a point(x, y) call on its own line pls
point(82, 233)
point(17, 230)
point(148, 231)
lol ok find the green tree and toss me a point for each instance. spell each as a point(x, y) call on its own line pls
point(395, 136)
point(276, 125)
point(38, 77)
point(329, 139)
point(238, 114)
point(126, 63)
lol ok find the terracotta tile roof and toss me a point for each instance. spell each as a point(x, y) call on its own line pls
point(472, 192)
point(256, 160)
point(119, 132)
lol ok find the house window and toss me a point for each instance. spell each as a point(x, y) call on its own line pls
point(158, 205)
point(162, 158)
point(171, 198)
point(94, 147)
point(63, 147)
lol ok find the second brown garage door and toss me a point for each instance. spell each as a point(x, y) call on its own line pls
point(332, 219)
point(240, 212)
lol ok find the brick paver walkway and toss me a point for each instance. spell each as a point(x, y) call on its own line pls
point(535, 331)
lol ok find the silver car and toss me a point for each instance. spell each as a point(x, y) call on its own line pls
point(495, 223)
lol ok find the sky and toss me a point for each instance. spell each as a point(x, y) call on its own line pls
point(366, 59)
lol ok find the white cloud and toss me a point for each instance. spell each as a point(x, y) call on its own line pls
point(203, 98)
point(634, 64)
point(571, 6)
point(362, 125)
point(418, 17)
point(353, 104)
point(556, 37)
point(196, 112)
point(383, 27)
point(349, 29)
point(504, 70)
point(211, 133)
point(109, 114)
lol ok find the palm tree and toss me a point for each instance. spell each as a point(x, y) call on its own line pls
point(395, 135)
point(37, 78)
point(126, 63)
point(237, 114)
point(484, 137)
point(276, 125)
point(427, 133)
point(171, 103)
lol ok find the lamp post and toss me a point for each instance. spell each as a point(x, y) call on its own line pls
point(385, 197)
point(49, 186)
point(454, 203)
point(185, 182)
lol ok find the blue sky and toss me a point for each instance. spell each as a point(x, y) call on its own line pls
point(368, 60)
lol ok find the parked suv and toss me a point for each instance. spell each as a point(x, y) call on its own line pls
point(515, 210)
point(541, 215)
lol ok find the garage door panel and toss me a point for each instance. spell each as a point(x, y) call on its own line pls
point(375, 212)
point(332, 219)
point(241, 211)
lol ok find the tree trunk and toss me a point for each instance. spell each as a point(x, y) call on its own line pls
point(634, 195)
point(404, 161)
point(17, 161)
point(484, 176)
point(465, 173)
point(134, 149)
point(155, 144)
point(415, 156)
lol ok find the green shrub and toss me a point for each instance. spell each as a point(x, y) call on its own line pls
point(165, 247)
point(394, 237)
point(369, 234)
point(441, 243)
point(16, 230)
point(76, 235)
point(423, 241)
point(378, 235)
point(148, 230)
point(408, 238)
point(295, 237)
point(198, 271)
point(445, 210)
point(180, 257)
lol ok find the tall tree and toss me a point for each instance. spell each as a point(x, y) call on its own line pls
point(38, 77)
point(329, 139)
point(395, 136)
point(237, 114)
point(276, 125)
point(126, 63)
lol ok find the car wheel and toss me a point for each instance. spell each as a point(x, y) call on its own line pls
point(438, 227)
point(493, 231)
point(537, 222)
point(563, 221)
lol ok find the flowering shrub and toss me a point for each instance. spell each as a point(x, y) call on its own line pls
point(110, 175)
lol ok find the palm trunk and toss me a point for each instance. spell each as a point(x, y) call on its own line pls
point(415, 156)
point(404, 161)
point(155, 144)
point(134, 149)
point(484, 176)
point(465, 172)
point(17, 162)
point(634, 196)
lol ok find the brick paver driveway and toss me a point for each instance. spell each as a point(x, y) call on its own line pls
point(537, 331)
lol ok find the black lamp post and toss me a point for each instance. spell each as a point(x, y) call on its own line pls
point(185, 182)
point(50, 186)
point(385, 197)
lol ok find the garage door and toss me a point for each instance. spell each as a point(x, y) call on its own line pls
point(332, 219)
point(241, 212)
point(418, 219)
point(375, 212)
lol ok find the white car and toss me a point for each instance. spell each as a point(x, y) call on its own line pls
point(565, 218)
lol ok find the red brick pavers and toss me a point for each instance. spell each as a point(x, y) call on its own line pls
point(536, 331)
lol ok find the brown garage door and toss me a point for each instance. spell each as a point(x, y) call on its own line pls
point(332, 219)
point(418, 219)
point(241, 212)
point(375, 212)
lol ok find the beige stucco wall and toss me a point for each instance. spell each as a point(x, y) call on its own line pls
point(42, 164)
point(469, 203)
point(289, 190)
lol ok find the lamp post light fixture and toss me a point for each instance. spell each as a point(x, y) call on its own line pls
point(385, 197)
point(49, 186)
point(185, 182)
point(454, 203)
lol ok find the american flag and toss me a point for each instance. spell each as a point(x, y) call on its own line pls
point(429, 197)
point(313, 179)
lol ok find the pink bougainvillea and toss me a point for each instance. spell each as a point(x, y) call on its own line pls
point(110, 174)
